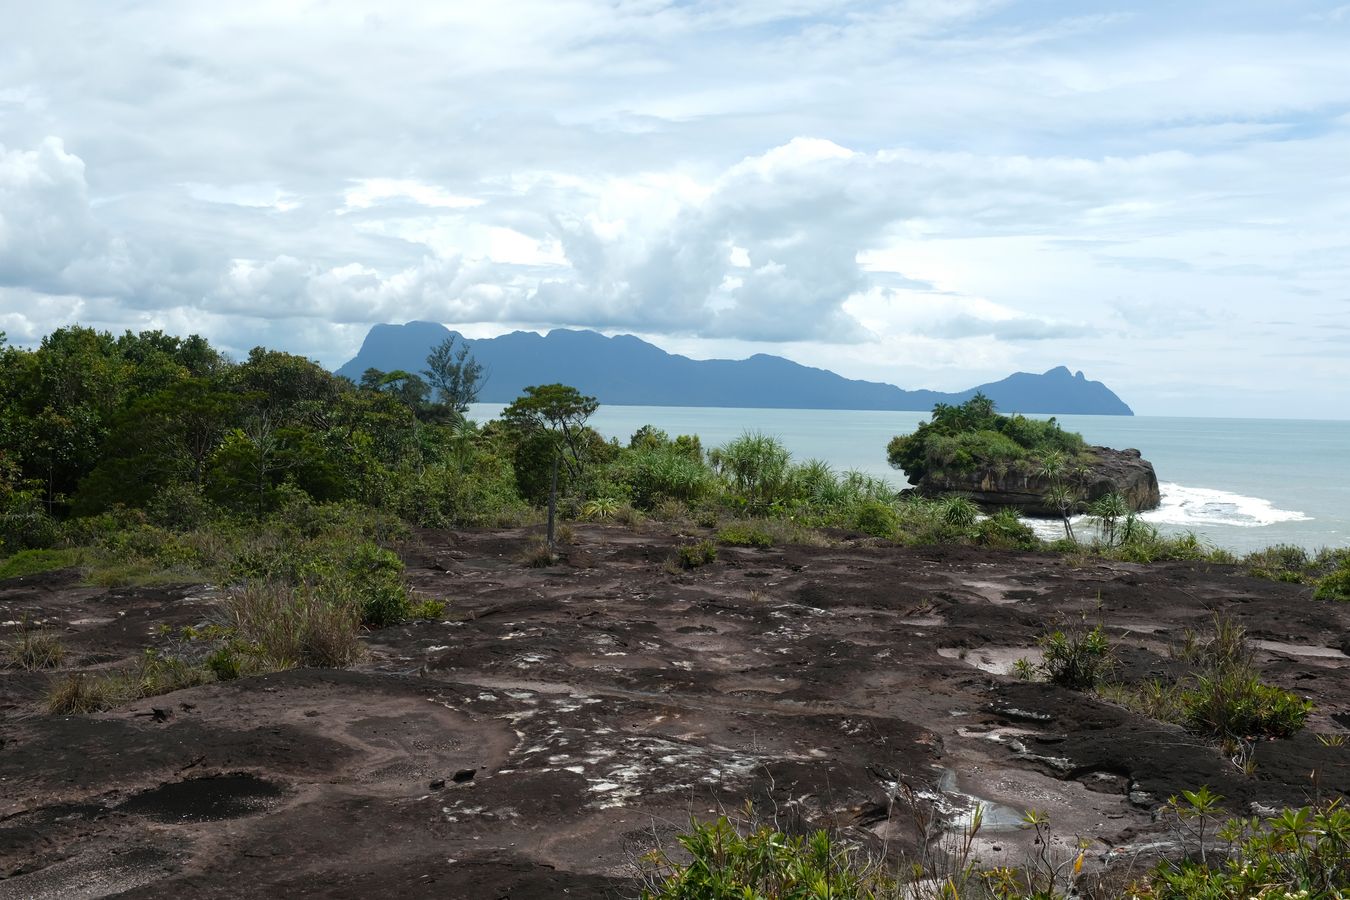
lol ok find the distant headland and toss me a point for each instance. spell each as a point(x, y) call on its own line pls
point(626, 370)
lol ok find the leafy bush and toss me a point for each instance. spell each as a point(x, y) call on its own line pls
point(692, 556)
point(1335, 586)
point(1005, 530)
point(428, 608)
point(876, 518)
point(374, 579)
point(756, 468)
point(1225, 697)
point(1234, 703)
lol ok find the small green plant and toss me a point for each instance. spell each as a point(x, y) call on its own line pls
point(428, 609)
point(224, 663)
point(601, 509)
point(1076, 658)
point(692, 556)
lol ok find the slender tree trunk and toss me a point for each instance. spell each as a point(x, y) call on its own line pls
point(553, 499)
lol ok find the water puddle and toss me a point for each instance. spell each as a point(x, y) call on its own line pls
point(204, 799)
point(959, 808)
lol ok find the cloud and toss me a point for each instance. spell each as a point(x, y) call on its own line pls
point(891, 187)
point(1013, 328)
point(47, 230)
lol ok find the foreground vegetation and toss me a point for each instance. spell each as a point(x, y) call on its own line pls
point(1300, 853)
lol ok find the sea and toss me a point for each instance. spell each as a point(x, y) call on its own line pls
point(1238, 484)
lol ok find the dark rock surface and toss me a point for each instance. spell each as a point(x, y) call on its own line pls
point(1125, 472)
point(600, 707)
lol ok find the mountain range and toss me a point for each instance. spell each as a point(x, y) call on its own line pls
point(627, 371)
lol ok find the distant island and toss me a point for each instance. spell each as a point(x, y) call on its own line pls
point(627, 371)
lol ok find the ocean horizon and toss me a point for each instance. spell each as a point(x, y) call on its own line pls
point(1238, 484)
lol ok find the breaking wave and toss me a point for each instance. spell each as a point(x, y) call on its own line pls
point(1193, 507)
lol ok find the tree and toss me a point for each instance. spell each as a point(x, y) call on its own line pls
point(555, 416)
point(455, 374)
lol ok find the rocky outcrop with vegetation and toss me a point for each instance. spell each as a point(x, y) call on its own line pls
point(1031, 465)
point(1122, 472)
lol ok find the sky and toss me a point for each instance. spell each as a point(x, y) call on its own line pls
point(931, 193)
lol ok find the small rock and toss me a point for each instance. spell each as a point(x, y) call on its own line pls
point(437, 784)
point(1141, 799)
point(464, 775)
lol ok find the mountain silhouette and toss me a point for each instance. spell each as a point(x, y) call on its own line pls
point(627, 371)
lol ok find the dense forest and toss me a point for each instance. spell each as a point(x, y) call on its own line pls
point(92, 424)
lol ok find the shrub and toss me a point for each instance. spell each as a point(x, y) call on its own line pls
point(375, 580)
point(224, 663)
point(691, 556)
point(75, 694)
point(1005, 530)
point(744, 533)
point(1335, 586)
point(1235, 704)
point(181, 507)
point(1076, 658)
point(876, 518)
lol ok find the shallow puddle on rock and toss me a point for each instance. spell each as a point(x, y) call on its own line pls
point(203, 799)
point(958, 808)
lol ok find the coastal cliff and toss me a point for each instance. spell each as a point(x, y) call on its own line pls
point(1124, 472)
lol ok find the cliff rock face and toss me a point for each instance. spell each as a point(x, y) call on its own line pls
point(1125, 472)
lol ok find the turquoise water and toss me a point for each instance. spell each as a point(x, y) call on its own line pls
point(1241, 484)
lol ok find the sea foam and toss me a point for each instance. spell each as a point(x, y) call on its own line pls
point(1193, 506)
